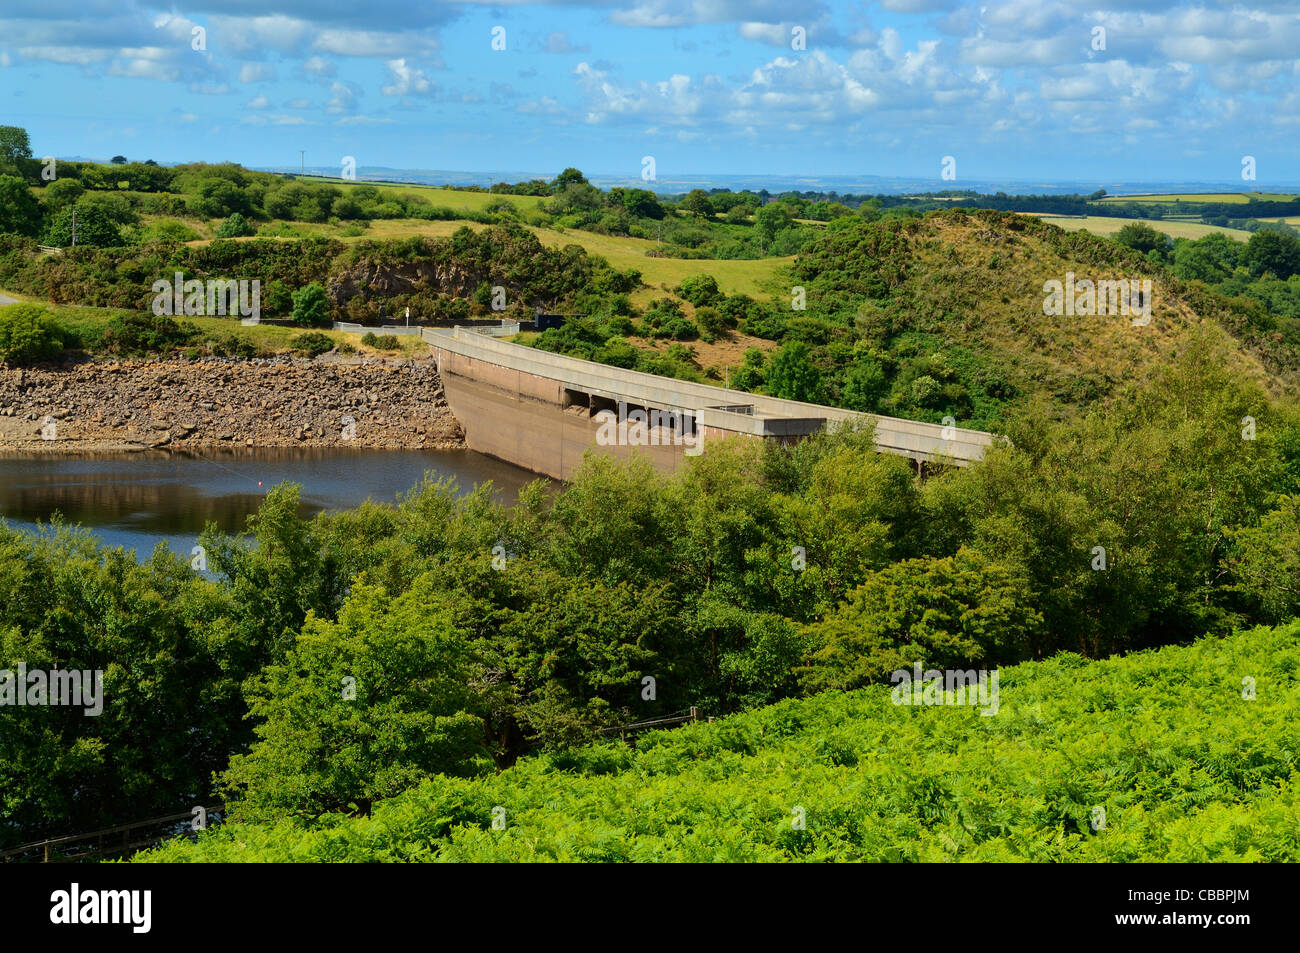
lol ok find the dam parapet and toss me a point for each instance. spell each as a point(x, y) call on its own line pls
point(542, 411)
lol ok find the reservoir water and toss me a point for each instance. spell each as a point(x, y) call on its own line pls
point(136, 500)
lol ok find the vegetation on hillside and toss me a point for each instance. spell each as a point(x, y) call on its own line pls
point(474, 634)
point(1164, 756)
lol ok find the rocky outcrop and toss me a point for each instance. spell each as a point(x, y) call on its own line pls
point(276, 402)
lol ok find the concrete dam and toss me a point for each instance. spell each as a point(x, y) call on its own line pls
point(543, 411)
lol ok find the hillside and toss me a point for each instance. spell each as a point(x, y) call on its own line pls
point(945, 315)
point(1180, 764)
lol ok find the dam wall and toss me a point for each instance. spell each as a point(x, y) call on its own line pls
point(542, 411)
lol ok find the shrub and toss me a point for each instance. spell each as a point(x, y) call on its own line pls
point(383, 342)
point(311, 306)
point(169, 230)
point(236, 226)
point(146, 334)
point(699, 290)
point(312, 343)
point(29, 335)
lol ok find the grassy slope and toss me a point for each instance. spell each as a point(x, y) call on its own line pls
point(1234, 197)
point(751, 277)
point(1104, 225)
point(978, 286)
point(1184, 767)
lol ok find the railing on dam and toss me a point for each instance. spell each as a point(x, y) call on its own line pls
point(712, 406)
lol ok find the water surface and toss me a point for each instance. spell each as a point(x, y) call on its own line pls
point(136, 500)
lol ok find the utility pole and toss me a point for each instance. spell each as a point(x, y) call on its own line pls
point(74, 228)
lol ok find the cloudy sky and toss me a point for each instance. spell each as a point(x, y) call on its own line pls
point(1040, 90)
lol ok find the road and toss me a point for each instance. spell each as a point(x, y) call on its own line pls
point(5, 299)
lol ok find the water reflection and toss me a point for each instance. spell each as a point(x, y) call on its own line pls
point(137, 499)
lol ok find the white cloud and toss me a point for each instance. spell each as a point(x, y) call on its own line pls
point(255, 73)
point(406, 80)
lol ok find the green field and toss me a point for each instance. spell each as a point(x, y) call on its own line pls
point(1106, 225)
point(1233, 197)
point(1156, 756)
point(743, 276)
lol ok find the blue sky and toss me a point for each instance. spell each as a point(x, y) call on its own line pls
point(1012, 89)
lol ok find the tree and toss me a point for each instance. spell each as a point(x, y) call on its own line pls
point(1211, 259)
point(361, 709)
point(118, 160)
point(569, 176)
point(641, 203)
point(771, 219)
point(953, 612)
point(311, 306)
point(791, 374)
point(1270, 251)
point(61, 193)
point(20, 214)
point(14, 143)
point(698, 204)
point(1266, 561)
point(94, 227)
point(235, 227)
point(1142, 237)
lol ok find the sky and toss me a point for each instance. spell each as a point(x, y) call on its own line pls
point(1039, 90)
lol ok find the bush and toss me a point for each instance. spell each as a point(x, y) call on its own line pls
point(383, 342)
point(312, 343)
point(146, 334)
point(169, 230)
point(29, 335)
point(947, 612)
point(311, 306)
point(235, 227)
point(699, 290)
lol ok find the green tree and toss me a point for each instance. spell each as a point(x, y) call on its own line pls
point(14, 143)
point(20, 214)
point(311, 305)
point(1142, 237)
point(361, 709)
point(61, 193)
point(569, 176)
point(1272, 252)
point(1266, 561)
point(959, 611)
point(771, 219)
point(697, 203)
point(235, 227)
point(700, 290)
point(93, 227)
point(792, 375)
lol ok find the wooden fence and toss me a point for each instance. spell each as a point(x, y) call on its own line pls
point(111, 841)
point(692, 714)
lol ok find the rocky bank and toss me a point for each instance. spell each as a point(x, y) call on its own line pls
point(273, 402)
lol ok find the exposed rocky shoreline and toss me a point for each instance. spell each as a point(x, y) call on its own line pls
point(272, 402)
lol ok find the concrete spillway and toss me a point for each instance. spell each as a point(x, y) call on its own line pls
point(543, 411)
